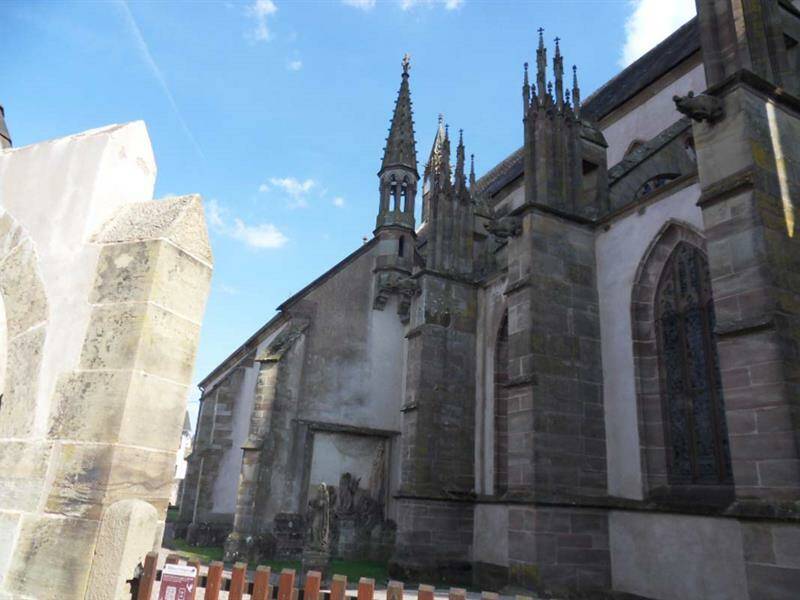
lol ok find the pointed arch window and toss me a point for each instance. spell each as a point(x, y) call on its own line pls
point(695, 432)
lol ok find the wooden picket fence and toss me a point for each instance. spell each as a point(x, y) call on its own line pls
point(259, 588)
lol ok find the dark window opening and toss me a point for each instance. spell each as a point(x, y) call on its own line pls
point(401, 242)
point(634, 146)
point(695, 431)
point(652, 184)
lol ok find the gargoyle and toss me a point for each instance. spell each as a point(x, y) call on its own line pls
point(699, 108)
point(504, 227)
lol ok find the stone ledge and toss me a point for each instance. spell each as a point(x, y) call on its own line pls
point(737, 327)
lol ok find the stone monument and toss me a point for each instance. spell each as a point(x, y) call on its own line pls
point(102, 292)
point(317, 547)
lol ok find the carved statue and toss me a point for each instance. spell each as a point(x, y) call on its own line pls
point(407, 286)
point(348, 488)
point(699, 108)
point(319, 510)
point(377, 474)
point(504, 227)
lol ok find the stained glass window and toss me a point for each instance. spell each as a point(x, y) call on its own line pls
point(694, 415)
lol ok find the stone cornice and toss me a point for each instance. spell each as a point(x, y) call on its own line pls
point(735, 509)
point(749, 79)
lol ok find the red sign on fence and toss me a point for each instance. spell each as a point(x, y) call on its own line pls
point(177, 582)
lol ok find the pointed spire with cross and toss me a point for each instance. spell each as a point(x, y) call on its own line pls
point(558, 70)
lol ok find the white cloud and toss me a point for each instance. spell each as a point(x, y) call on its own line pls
point(338, 202)
point(296, 189)
point(262, 235)
point(214, 215)
point(260, 11)
point(360, 4)
point(650, 22)
point(448, 4)
point(294, 65)
point(228, 290)
point(263, 188)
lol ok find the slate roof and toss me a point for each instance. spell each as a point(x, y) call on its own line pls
point(656, 63)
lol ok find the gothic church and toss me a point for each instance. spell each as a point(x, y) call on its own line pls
point(580, 371)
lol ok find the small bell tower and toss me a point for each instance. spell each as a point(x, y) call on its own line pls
point(395, 225)
point(398, 175)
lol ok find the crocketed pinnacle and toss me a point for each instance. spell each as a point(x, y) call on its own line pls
point(460, 175)
point(472, 172)
point(435, 158)
point(401, 148)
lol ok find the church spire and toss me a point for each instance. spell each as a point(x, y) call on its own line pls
point(400, 146)
point(541, 67)
point(558, 70)
point(460, 176)
point(398, 175)
point(576, 91)
point(471, 172)
point(445, 174)
point(526, 91)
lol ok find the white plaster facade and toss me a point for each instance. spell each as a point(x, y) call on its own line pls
point(653, 115)
point(619, 252)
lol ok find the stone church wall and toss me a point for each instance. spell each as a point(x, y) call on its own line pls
point(620, 250)
point(341, 381)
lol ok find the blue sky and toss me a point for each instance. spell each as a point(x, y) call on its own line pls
point(276, 111)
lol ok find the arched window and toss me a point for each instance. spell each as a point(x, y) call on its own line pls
point(501, 409)
point(695, 433)
point(634, 146)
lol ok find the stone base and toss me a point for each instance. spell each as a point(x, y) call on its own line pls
point(434, 541)
point(314, 560)
point(436, 572)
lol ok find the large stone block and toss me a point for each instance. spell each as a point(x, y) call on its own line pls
point(178, 219)
point(135, 336)
point(23, 293)
point(18, 409)
point(152, 271)
point(126, 534)
point(89, 477)
point(23, 466)
point(112, 406)
point(9, 523)
point(52, 557)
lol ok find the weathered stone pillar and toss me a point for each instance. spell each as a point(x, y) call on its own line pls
point(749, 167)
point(101, 346)
point(556, 428)
point(437, 455)
point(271, 379)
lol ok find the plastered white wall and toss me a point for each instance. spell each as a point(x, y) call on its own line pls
point(670, 556)
point(490, 534)
point(652, 117)
point(618, 253)
point(88, 176)
point(227, 482)
point(339, 453)
point(491, 308)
